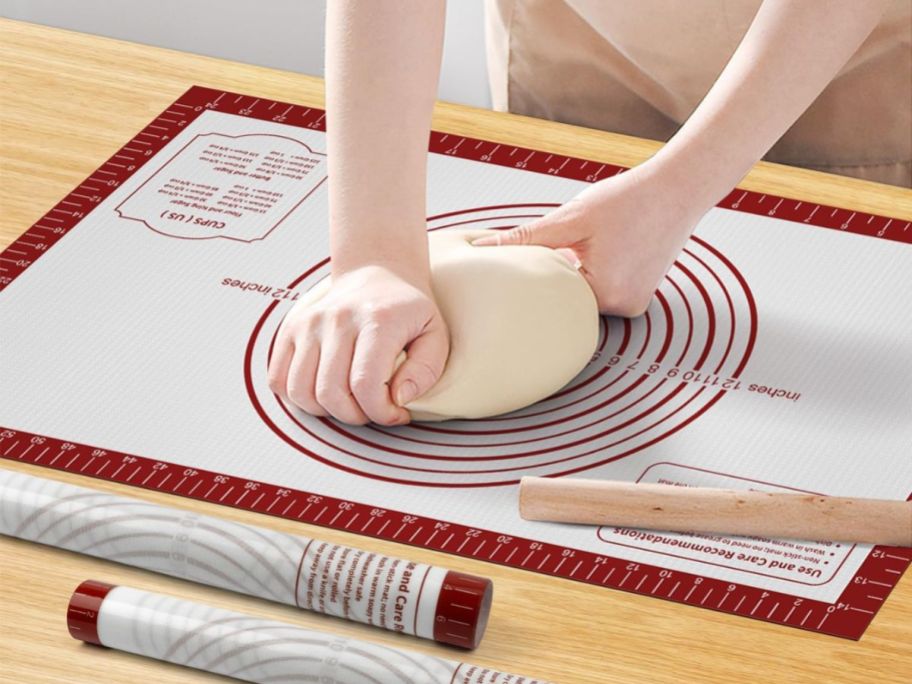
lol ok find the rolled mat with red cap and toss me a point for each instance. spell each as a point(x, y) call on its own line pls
point(355, 584)
point(249, 648)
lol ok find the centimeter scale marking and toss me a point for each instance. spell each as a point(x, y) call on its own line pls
point(24, 251)
point(847, 617)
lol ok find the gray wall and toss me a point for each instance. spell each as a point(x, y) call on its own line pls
point(285, 34)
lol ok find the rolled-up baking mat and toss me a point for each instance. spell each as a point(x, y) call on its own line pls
point(248, 648)
point(355, 584)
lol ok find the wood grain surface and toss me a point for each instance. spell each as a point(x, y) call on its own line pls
point(68, 101)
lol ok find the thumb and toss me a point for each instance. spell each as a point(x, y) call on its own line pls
point(423, 366)
point(545, 231)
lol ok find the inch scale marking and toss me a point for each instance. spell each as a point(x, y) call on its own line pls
point(847, 617)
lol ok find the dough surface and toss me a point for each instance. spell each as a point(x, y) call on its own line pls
point(523, 322)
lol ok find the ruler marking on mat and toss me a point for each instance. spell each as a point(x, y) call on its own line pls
point(162, 131)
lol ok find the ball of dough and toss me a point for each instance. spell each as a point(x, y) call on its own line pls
point(522, 320)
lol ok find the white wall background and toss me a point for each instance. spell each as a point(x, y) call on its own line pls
point(284, 34)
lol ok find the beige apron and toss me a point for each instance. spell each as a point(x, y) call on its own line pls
point(642, 67)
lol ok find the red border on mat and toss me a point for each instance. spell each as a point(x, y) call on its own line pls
point(847, 617)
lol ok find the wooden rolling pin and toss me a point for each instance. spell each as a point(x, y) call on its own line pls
point(718, 511)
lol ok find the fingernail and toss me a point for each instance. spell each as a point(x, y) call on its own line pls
point(407, 391)
point(571, 257)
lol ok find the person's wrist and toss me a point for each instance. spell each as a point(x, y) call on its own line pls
point(675, 198)
point(409, 265)
point(697, 171)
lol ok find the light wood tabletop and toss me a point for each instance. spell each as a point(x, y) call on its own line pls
point(68, 102)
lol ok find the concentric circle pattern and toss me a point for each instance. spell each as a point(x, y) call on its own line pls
point(649, 378)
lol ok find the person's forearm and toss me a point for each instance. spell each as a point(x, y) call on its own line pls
point(382, 67)
point(792, 50)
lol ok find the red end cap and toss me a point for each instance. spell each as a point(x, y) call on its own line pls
point(462, 609)
point(82, 613)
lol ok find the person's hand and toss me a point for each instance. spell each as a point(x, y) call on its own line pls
point(337, 356)
point(623, 233)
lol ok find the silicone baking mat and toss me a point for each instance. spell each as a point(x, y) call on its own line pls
point(137, 317)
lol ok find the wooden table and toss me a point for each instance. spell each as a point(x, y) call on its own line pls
point(68, 102)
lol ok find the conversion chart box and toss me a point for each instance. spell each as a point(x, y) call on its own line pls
point(238, 187)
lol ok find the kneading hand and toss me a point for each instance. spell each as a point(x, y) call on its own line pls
point(337, 356)
point(623, 233)
point(627, 230)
